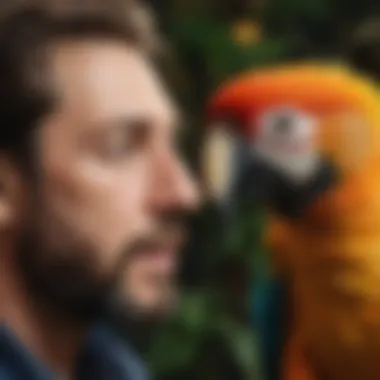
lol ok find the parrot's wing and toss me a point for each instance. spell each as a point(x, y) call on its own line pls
point(270, 302)
point(269, 309)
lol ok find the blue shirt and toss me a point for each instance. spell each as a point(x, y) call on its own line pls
point(105, 357)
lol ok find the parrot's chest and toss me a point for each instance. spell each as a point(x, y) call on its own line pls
point(333, 257)
point(337, 301)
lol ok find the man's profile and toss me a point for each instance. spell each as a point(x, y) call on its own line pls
point(93, 193)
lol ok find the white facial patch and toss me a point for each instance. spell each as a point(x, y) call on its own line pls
point(218, 157)
point(286, 141)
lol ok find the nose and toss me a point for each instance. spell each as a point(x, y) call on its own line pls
point(174, 185)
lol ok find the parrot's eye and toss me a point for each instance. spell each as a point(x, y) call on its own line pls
point(285, 123)
point(286, 141)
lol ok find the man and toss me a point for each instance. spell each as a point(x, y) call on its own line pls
point(93, 194)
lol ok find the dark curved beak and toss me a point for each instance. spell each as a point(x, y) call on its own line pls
point(235, 178)
point(232, 177)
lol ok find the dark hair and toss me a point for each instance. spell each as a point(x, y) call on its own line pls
point(27, 28)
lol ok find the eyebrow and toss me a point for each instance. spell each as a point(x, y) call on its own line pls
point(136, 127)
point(111, 124)
point(133, 125)
point(139, 124)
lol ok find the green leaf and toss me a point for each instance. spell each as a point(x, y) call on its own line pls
point(243, 345)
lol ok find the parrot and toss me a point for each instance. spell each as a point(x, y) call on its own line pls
point(303, 140)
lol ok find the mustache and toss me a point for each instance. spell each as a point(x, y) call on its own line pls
point(171, 231)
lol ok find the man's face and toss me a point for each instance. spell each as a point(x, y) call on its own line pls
point(106, 220)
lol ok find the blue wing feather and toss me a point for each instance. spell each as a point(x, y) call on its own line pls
point(268, 306)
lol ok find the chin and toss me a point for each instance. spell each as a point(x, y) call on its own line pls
point(148, 306)
point(158, 306)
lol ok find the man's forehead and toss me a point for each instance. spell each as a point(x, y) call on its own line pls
point(103, 79)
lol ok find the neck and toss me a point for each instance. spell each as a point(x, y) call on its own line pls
point(52, 338)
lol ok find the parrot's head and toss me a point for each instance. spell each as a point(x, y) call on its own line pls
point(285, 135)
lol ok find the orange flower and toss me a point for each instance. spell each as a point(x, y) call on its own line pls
point(246, 32)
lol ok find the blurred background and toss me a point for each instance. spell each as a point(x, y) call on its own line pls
point(213, 336)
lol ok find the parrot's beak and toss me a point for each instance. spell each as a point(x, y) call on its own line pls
point(234, 176)
point(230, 174)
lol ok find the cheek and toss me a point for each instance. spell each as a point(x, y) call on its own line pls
point(121, 202)
point(104, 206)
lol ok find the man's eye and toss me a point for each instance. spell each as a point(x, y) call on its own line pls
point(119, 148)
point(121, 140)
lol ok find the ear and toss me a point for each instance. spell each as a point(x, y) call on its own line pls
point(12, 194)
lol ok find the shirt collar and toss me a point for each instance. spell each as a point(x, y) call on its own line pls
point(105, 357)
point(18, 360)
point(111, 357)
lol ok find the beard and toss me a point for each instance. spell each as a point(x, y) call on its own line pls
point(65, 281)
point(62, 271)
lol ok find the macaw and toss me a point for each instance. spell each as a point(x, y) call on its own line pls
point(304, 141)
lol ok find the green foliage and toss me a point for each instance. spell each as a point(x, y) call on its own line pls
point(208, 47)
point(211, 337)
